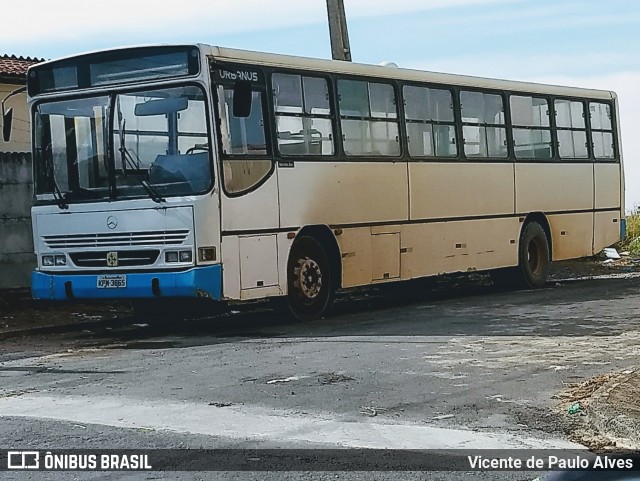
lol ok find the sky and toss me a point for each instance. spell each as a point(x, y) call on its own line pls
point(580, 43)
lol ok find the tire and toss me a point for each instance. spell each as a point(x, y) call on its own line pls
point(533, 254)
point(533, 261)
point(310, 280)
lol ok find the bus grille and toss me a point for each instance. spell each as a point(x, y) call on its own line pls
point(116, 239)
point(125, 258)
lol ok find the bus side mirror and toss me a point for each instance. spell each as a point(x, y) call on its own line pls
point(242, 97)
point(7, 115)
point(7, 120)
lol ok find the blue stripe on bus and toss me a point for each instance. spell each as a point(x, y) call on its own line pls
point(196, 282)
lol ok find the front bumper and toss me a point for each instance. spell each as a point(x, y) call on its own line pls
point(195, 282)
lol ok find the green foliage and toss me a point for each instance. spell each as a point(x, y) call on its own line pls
point(632, 241)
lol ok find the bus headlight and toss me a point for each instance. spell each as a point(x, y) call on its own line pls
point(57, 260)
point(178, 256)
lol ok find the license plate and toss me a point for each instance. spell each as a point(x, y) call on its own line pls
point(112, 282)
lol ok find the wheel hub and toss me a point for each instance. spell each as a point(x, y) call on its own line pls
point(308, 278)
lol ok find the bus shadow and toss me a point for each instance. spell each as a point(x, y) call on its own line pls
point(453, 306)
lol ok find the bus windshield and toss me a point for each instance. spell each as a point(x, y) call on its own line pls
point(125, 145)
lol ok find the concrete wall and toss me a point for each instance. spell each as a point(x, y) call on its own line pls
point(16, 241)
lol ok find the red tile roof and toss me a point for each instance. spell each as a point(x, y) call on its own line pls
point(16, 67)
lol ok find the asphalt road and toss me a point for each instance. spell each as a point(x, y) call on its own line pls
point(464, 367)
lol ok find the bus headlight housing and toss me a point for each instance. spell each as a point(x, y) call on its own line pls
point(57, 260)
point(206, 254)
point(178, 256)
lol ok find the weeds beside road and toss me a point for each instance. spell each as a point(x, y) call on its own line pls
point(631, 243)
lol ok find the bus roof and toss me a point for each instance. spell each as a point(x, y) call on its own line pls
point(391, 72)
point(353, 68)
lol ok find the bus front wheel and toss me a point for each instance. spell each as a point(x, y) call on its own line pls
point(310, 284)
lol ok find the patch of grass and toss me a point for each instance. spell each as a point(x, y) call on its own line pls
point(632, 240)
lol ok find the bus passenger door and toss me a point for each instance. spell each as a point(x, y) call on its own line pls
point(249, 197)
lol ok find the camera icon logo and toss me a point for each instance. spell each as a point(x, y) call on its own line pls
point(23, 460)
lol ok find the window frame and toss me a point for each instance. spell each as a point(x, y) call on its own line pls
point(503, 94)
point(455, 123)
point(260, 86)
point(331, 116)
point(584, 102)
point(398, 120)
point(615, 158)
point(551, 128)
point(47, 197)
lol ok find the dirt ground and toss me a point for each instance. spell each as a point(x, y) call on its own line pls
point(602, 413)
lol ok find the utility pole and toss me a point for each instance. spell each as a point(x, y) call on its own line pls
point(340, 49)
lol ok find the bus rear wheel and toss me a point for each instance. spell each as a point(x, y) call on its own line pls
point(310, 283)
point(533, 261)
point(534, 256)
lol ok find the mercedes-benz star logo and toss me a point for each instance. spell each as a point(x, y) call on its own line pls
point(112, 222)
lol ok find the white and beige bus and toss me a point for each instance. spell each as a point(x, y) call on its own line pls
point(200, 171)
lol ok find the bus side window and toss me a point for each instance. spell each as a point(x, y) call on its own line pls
point(601, 131)
point(483, 125)
point(431, 130)
point(572, 129)
point(369, 118)
point(244, 146)
point(531, 127)
point(303, 115)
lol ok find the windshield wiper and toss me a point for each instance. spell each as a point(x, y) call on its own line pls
point(127, 159)
point(50, 174)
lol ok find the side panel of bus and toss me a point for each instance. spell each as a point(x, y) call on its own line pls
point(250, 243)
point(344, 193)
point(462, 218)
point(608, 198)
point(347, 194)
point(564, 192)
